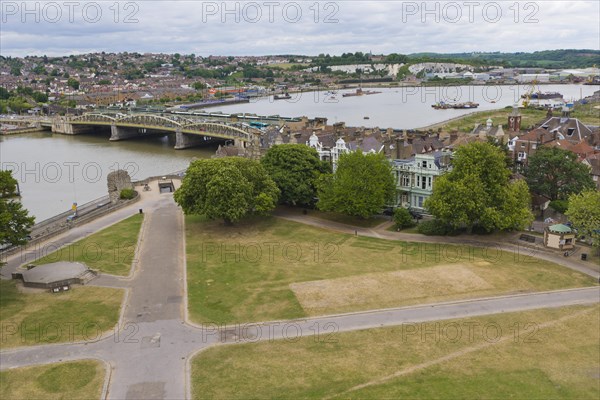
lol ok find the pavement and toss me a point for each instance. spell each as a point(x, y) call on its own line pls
point(149, 351)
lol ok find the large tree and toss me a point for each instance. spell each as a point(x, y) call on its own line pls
point(556, 173)
point(295, 169)
point(15, 222)
point(361, 185)
point(478, 192)
point(227, 188)
point(584, 212)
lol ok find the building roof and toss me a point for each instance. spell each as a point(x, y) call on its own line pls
point(54, 272)
point(559, 228)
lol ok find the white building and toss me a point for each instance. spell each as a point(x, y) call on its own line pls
point(415, 177)
point(328, 154)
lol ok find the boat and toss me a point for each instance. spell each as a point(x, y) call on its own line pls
point(365, 117)
point(542, 96)
point(360, 92)
point(458, 106)
point(285, 96)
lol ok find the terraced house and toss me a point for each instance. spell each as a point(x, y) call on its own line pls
point(415, 177)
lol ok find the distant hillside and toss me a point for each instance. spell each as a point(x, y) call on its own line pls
point(538, 59)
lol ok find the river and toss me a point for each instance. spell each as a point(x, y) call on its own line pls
point(56, 170)
point(401, 108)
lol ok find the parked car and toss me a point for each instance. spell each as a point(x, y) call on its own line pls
point(415, 214)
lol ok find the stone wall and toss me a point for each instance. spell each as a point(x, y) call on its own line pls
point(117, 181)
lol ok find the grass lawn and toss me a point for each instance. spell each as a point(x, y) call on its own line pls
point(586, 113)
point(41, 318)
point(341, 218)
point(70, 380)
point(542, 354)
point(269, 269)
point(529, 117)
point(110, 250)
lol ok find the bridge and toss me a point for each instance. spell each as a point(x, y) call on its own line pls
point(189, 131)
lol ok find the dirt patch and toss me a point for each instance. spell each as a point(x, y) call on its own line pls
point(386, 288)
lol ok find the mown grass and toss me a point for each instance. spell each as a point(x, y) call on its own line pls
point(586, 113)
point(341, 218)
point(70, 380)
point(243, 273)
point(542, 354)
point(82, 313)
point(110, 250)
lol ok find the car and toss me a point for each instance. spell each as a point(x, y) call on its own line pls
point(549, 220)
point(389, 211)
point(415, 214)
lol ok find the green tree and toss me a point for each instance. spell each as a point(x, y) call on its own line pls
point(295, 169)
point(15, 222)
point(556, 173)
point(74, 83)
point(403, 219)
point(199, 85)
point(477, 192)
point(584, 212)
point(361, 186)
point(8, 185)
point(227, 188)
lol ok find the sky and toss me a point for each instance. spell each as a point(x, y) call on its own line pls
point(238, 28)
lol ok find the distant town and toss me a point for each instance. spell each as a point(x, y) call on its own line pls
point(41, 84)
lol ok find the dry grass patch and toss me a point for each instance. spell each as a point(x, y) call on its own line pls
point(246, 272)
point(386, 288)
point(71, 380)
point(541, 354)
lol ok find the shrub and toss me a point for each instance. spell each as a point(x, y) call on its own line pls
point(560, 206)
point(403, 219)
point(435, 228)
point(127, 194)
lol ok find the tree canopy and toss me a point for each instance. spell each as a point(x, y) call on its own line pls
point(478, 192)
point(15, 222)
point(295, 169)
point(556, 173)
point(228, 188)
point(361, 186)
point(584, 213)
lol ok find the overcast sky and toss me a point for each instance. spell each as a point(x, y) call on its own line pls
point(64, 27)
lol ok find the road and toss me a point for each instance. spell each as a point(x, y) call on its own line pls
point(149, 351)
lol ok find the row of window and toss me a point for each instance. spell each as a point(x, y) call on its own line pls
point(423, 182)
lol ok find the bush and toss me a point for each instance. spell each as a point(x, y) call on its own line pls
point(560, 206)
point(403, 219)
point(127, 194)
point(435, 228)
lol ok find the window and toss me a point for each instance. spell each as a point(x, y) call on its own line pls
point(570, 132)
point(534, 146)
point(424, 164)
point(429, 182)
point(522, 144)
point(420, 202)
point(406, 180)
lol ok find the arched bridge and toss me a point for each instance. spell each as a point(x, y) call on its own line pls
point(172, 123)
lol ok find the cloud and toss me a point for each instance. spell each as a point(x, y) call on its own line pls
point(296, 27)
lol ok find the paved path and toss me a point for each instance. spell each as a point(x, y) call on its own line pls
point(149, 351)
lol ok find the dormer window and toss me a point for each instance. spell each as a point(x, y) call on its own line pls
point(545, 127)
point(570, 132)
